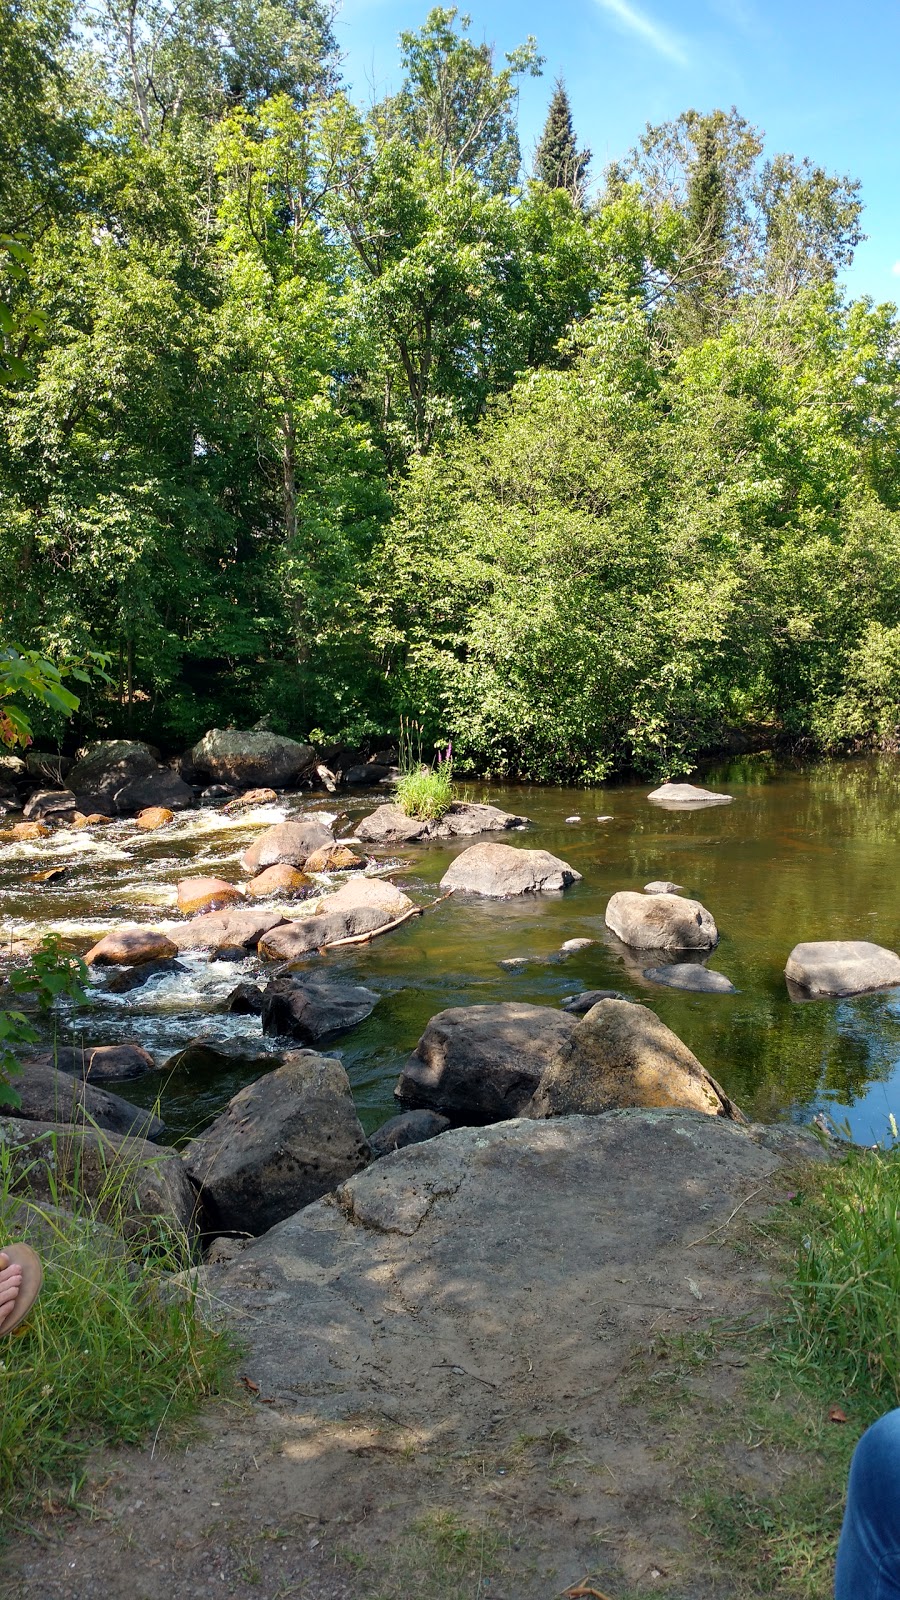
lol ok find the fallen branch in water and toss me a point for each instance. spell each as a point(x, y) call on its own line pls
point(364, 938)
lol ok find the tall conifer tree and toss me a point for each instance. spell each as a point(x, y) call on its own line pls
point(558, 161)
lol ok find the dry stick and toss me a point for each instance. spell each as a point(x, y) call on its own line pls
point(364, 938)
point(722, 1226)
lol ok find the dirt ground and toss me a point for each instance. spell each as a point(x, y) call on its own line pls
point(461, 1379)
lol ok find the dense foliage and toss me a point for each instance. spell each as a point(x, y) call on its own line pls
point(338, 415)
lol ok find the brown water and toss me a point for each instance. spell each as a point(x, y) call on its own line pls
point(800, 854)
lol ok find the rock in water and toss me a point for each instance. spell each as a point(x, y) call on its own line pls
point(663, 886)
point(661, 922)
point(234, 925)
point(250, 797)
point(478, 1064)
point(620, 1055)
point(153, 817)
point(250, 760)
point(48, 1095)
point(280, 879)
point(162, 787)
point(685, 975)
point(836, 967)
point(111, 764)
point(289, 842)
point(207, 894)
point(309, 1008)
point(58, 804)
point(578, 1004)
point(128, 947)
point(409, 1127)
point(498, 870)
point(389, 824)
point(686, 796)
point(363, 905)
point(278, 1145)
point(99, 1063)
point(334, 858)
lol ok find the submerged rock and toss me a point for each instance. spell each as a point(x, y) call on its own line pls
point(278, 1145)
point(619, 1056)
point(661, 922)
point(251, 759)
point(578, 1004)
point(130, 946)
point(389, 824)
point(836, 967)
point(309, 1008)
point(687, 975)
point(685, 796)
point(128, 978)
point(290, 842)
point(360, 906)
point(408, 1127)
point(480, 1064)
point(499, 870)
point(663, 886)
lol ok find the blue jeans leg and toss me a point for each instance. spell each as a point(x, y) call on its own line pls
point(868, 1560)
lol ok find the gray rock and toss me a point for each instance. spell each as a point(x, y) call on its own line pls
point(686, 796)
point(571, 946)
point(102, 1063)
point(361, 906)
point(278, 1145)
point(498, 870)
point(835, 967)
point(48, 1095)
point(131, 946)
point(409, 1127)
point(661, 922)
point(290, 842)
point(124, 979)
point(151, 1186)
point(50, 803)
point(309, 1008)
point(478, 1064)
point(233, 926)
point(111, 764)
point(245, 1000)
point(249, 759)
point(663, 886)
point(578, 1004)
point(389, 824)
point(620, 1055)
point(48, 765)
point(687, 975)
point(161, 787)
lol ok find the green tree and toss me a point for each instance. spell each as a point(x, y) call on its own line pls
point(558, 162)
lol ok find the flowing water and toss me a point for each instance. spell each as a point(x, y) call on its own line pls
point(800, 854)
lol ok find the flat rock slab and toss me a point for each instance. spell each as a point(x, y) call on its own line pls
point(686, 796)
point(364, 905)
point(312, 1007)
point(685, 975)
point(458, 1255)
point(389, 824)
point(479, 1064)
point(499, 870)
point(241, 925)
point(660, 922)
point(839, 967)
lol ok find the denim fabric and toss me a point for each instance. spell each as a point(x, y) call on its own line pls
point(868, 1561)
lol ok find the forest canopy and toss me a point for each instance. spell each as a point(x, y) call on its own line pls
point(336, 412)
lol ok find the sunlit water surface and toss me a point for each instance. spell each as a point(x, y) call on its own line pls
point(800, 854)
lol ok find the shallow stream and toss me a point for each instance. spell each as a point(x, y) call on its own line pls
point(800, 854)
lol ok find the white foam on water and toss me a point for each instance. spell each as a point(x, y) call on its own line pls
point(63, 844)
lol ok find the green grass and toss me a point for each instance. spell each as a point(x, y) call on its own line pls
point(426, 793)
point(110, 1352)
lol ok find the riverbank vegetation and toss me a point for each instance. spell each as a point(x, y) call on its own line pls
point(336, 413)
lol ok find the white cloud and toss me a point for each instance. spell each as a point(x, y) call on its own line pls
point(659, 39)
point(896, 269)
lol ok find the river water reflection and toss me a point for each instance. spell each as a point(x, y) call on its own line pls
point(801, 854)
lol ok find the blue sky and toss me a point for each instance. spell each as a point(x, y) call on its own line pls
point(820, 80)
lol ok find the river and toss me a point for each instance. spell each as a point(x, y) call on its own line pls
point(801, 853)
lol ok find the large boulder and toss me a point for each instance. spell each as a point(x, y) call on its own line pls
point(232, 926)
point(159, 787)
point(253, 759)
point(499, 870)
point(360, 906)
point(478, 1064)
point(290, 842)
point(110, 765)
point(98, 1063)
point(278, 1145)
point(836, 967)
point(57, 804)
point(130, 946)
point(687, 797)
point(408, 1127)
point(660, 922)
point(206, 894)
point(309, 1008)
point(145, 1184)
point(620, 1055)
point(48, 1095)
point(389, 824)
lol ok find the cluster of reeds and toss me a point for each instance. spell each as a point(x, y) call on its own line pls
point(423, 790)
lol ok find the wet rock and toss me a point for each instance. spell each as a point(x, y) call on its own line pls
point(56, 803)
point(663, 886)
point(238, 925)
point(578, 1004)
point(571, 945)
point(245, 1000)
point(687, 975)
point(686, 796)
point(150, 1183)
point(389, 824)
point(620, 1055)
point(290, 842)
point(837, 967)
point(409, 1127)
point(130, 946)
point(363, 905)
point(250, 797)
point(161, 787)
point(334, 858)
point(279, 1144)
point(310, 1008)
point(227, 952)
point(154, 817)
point(218, 791)
point(478, 1064)
point(206, 894)
point(49, 1095)
point(93, 819)
point(661, 922)
point(111, 764)
point(498, 870)
point(280, 879)
point(28, 830)
point(128, 978)
point(101, 1063)
point(252, 759)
